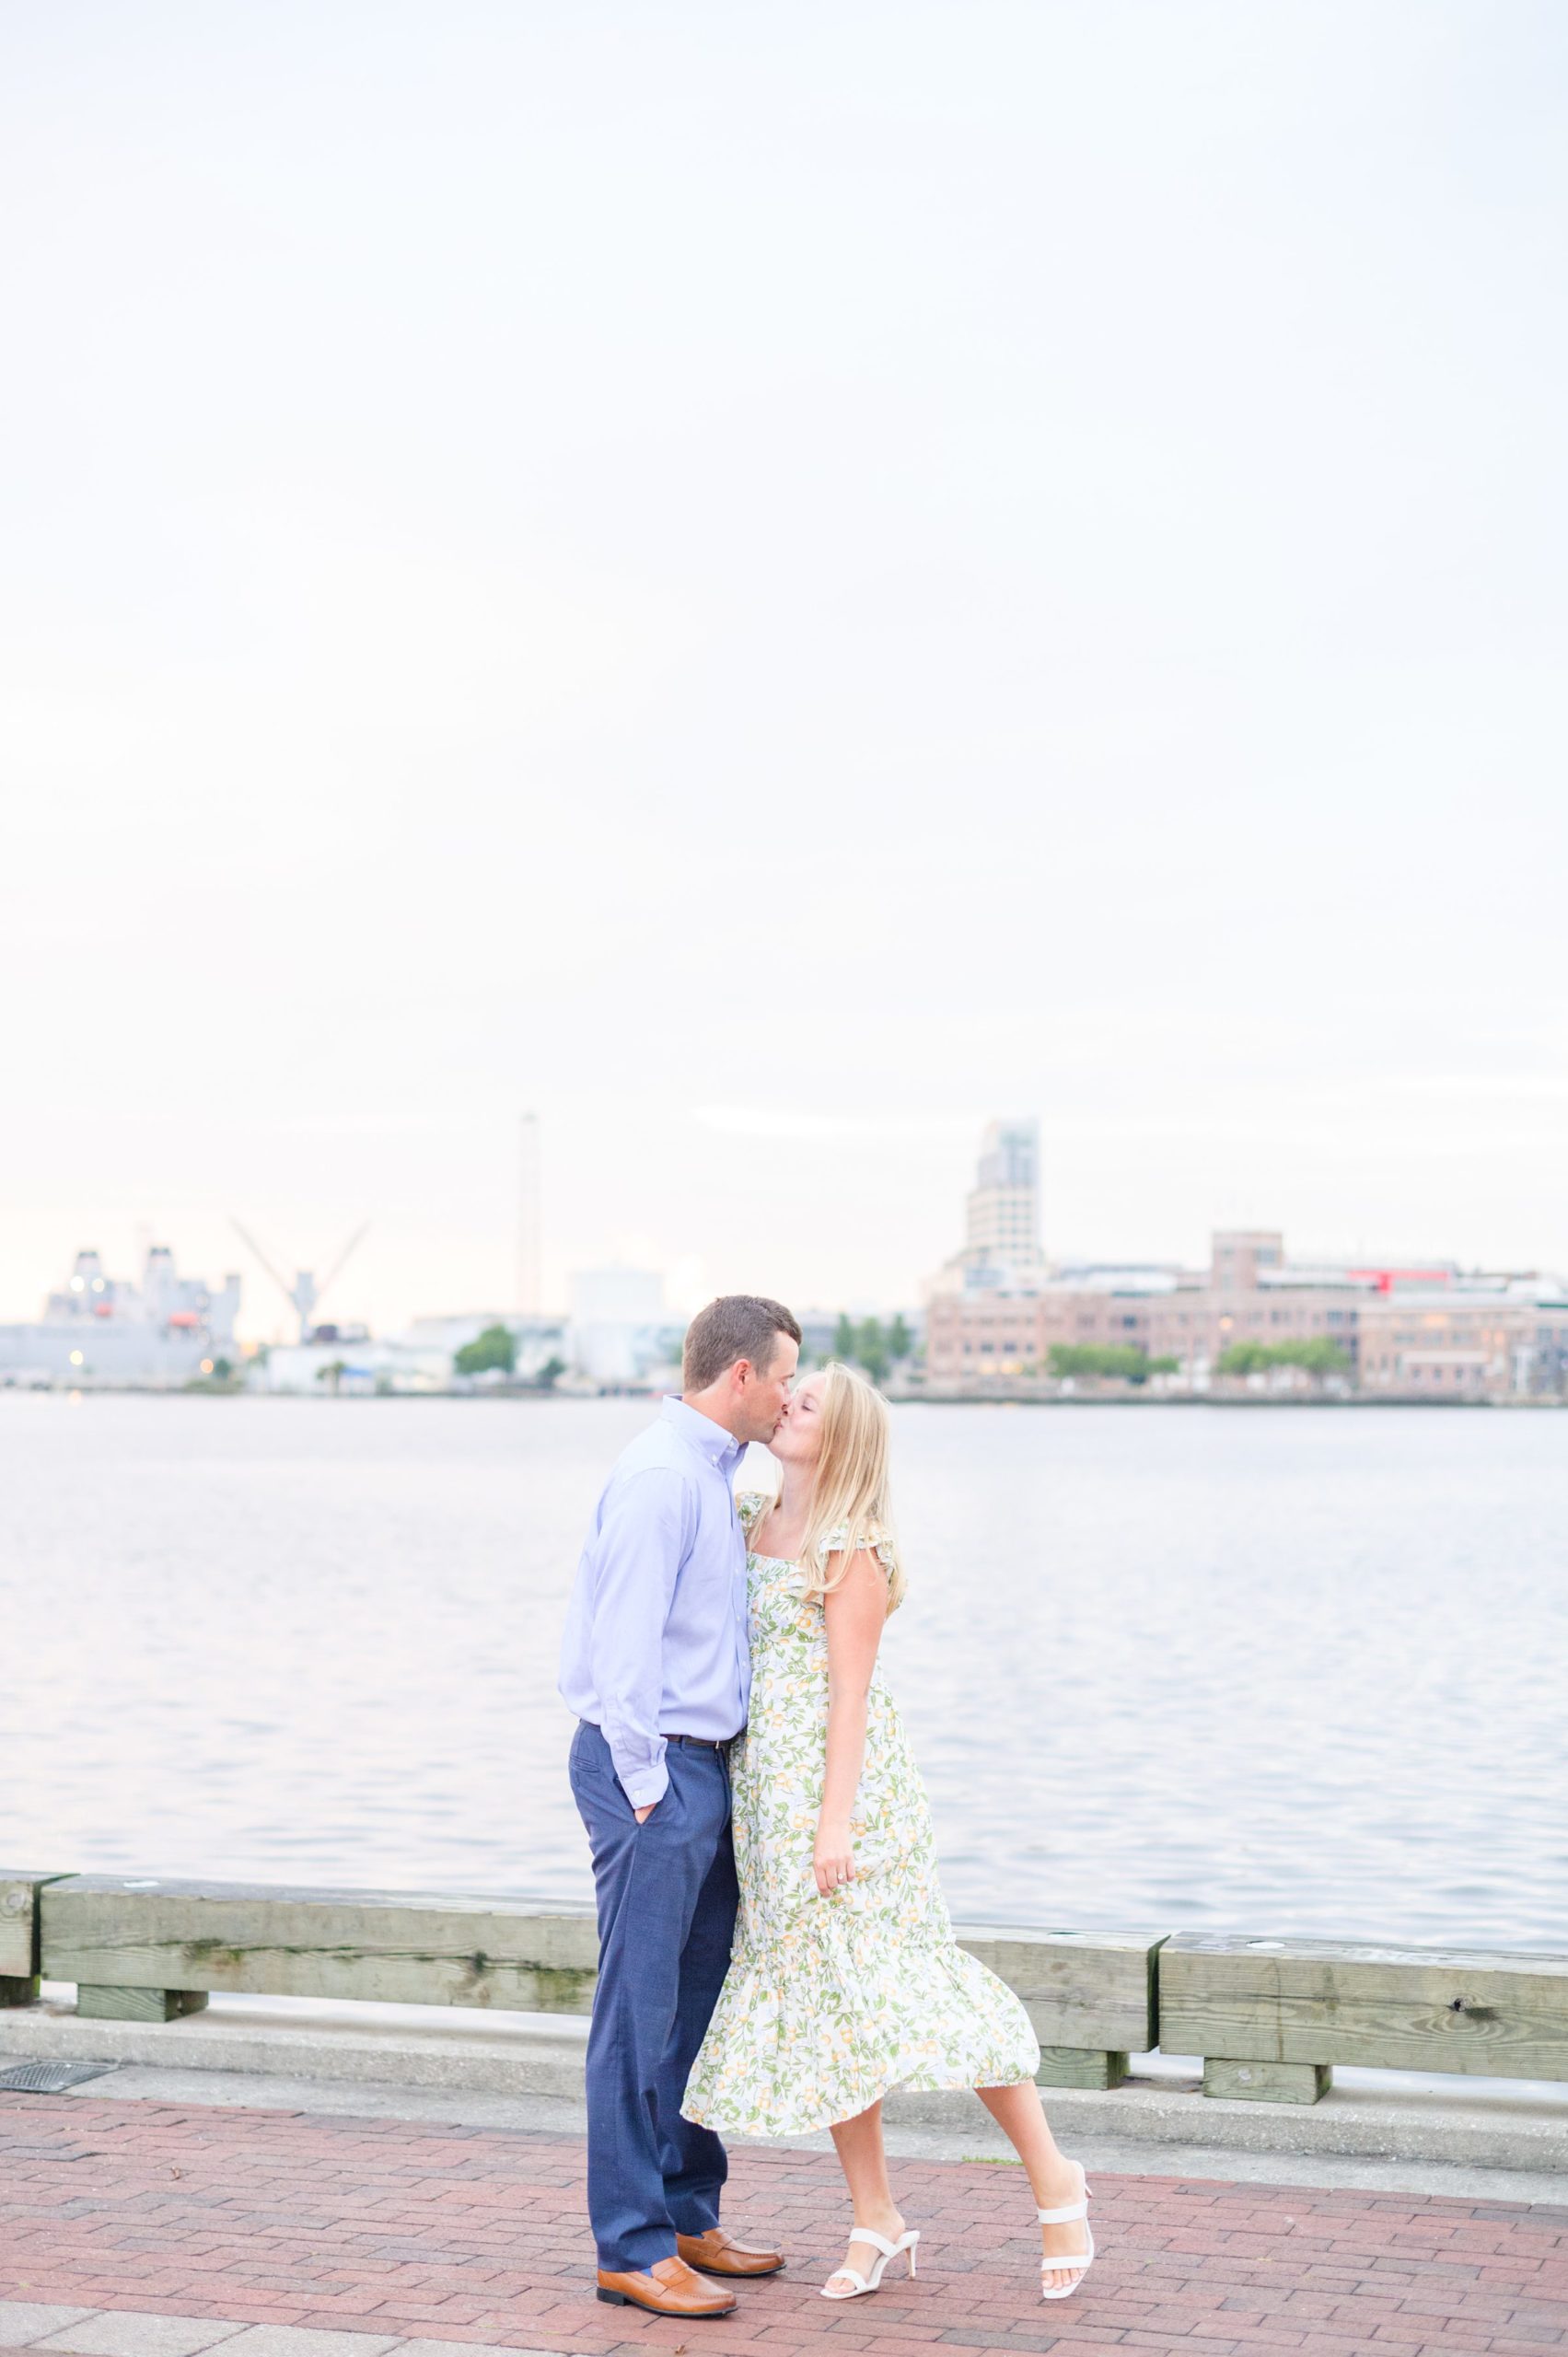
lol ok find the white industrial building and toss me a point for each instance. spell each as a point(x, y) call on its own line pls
point(536, 1337)
point(349, 1364)
point(348, 1360)
point(622, 1334)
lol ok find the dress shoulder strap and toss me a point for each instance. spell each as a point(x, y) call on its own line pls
point(878, 1540)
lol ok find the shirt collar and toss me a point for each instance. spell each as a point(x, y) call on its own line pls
point(709, 1440)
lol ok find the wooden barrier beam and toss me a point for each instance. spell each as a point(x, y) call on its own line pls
point(1092, 1996)
point(1306, 2005)
point(1270, 2017)
point(1267, 2082)
point(19, 1970)
point(96, 2002)
point(114, 1933)
point(145, 1948)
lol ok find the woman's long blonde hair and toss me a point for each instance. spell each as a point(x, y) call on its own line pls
point(851, 1489)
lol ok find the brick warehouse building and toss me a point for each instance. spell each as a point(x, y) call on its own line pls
point(1250, 1293)
point(993, 1318)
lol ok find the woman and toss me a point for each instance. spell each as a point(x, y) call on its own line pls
point(844, 1979)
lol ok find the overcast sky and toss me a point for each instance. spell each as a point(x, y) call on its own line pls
point(770, 582)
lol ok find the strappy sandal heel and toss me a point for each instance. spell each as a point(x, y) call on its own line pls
point(1083, 2259)
point(886, 2250)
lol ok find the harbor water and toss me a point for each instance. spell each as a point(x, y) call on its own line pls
point(1271, 1671)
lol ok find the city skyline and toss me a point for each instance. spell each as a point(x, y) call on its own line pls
point(762, 590)
point(998, 1318)
point(1004, 1158)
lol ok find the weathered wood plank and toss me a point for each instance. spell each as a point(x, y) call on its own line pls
point(1499, 2014)
point(1082, 1990)
point(137, 2004)
point(1079, 2066)
point(247, 1938)
point(1091, 1995)
point(1267, 2082)
point(19, 1887)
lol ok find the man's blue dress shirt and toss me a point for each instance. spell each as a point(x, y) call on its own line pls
point(655, 1639)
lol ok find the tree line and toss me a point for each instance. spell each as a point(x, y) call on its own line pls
point(495, 1352)
point(1319, 1354)
point(876, 1348)
point(1127, 1361)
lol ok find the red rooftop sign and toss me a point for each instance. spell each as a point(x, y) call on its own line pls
point(1387, 1279)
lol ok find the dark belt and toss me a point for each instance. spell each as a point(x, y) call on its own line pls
point(704, 1742)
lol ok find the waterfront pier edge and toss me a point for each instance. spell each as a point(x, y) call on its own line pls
point(20, 1933)
point(1269, 2017)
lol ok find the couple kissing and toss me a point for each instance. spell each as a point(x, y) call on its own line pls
point(776, 1953)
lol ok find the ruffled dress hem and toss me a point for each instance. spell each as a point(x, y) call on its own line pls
point(959, 2027)
point(782, 2122)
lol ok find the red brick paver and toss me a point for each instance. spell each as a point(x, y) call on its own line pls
point(478, 2234)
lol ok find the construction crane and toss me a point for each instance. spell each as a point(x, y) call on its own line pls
point(305, 1293)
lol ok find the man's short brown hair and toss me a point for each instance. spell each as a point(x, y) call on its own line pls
point(736, 1326)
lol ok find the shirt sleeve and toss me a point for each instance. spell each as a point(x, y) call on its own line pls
point(640, 1542)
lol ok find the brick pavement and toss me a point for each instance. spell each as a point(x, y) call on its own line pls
point(394, 2228)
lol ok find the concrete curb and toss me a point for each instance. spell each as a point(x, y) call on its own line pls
point(143, 2332)
point(1448, 2122)
point(510, 2060)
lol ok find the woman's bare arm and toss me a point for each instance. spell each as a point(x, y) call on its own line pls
point(855, 1612)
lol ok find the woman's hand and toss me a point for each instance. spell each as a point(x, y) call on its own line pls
point(833, 1860)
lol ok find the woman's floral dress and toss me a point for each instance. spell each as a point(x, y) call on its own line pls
point(831, 2000)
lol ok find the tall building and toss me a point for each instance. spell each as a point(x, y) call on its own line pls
point(1001, 1250)
point(1004, 1203)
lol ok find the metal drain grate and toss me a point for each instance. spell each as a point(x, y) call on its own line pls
point(51, 2078)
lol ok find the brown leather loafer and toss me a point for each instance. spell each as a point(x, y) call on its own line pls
point(721, 2254)
point(669, 2289)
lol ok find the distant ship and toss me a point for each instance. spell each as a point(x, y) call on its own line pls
point(102, 1330)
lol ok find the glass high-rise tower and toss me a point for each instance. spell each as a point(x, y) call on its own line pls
point(1003, 1223)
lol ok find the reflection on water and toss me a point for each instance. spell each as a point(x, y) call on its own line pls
point(1185, 1667)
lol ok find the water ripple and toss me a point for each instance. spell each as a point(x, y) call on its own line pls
point(1277, 1672)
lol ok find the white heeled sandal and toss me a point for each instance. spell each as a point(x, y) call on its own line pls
point(887, 2250)
point(1083, 2259)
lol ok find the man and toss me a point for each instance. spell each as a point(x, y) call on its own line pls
point(656, 1665)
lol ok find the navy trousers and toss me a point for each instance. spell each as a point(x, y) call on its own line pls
point(666, 1898)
